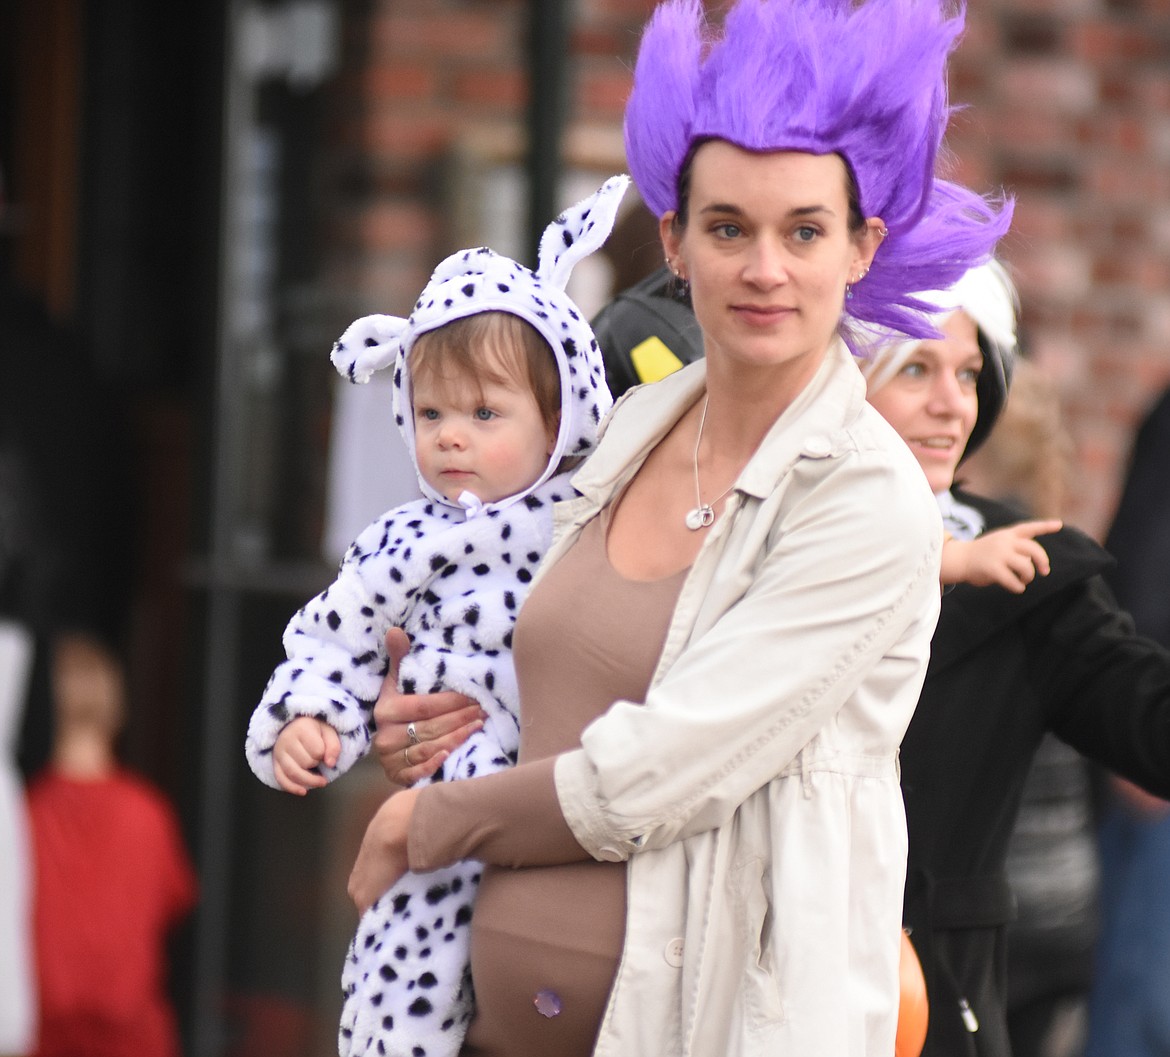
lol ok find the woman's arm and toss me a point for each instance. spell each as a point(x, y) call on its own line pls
point(510, 818)
point(1107, 689)
point(841, 609)
point(837, 594)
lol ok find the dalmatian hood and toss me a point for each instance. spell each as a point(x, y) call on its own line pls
point(481, 280)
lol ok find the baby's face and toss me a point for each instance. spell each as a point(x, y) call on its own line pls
point(489, 440)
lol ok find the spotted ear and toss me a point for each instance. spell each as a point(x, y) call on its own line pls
point(368, 345)
point(578, 231)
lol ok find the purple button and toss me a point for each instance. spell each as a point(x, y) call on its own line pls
point(548, 1003)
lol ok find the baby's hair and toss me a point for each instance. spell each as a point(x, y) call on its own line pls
point(457, 349)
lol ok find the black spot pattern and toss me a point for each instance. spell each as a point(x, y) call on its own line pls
point(466, 598)
point(455, 584)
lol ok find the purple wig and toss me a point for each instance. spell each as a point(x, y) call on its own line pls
point(866, 81)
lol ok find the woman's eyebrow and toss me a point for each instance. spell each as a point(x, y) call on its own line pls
point(796, 211)
point(722, 207)
point(808, 211)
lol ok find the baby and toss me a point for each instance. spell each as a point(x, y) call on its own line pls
point(499, 388)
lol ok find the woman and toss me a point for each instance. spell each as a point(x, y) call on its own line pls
point(1052, 862)
point(718, 867)
point(1004, 669)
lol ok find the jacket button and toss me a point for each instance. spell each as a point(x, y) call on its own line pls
point(608, 853)
point(674, 953)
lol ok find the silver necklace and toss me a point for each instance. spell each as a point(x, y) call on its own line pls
point(703, 515)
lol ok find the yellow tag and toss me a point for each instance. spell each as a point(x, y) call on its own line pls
point(653, 360)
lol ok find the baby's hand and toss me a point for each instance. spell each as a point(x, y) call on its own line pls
point(300, 748)
point(1010, 557)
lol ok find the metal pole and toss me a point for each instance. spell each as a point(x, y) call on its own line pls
point(548, 80)
point(223, 610)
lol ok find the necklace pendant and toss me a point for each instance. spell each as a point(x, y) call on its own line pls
point(701, 517)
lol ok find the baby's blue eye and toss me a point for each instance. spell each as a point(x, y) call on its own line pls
point(484, 414)
point(429, 413)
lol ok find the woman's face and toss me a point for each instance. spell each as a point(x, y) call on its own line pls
point(767, 251)
point(931, 401)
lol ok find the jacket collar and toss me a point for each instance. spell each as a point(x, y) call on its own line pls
point(810, 426)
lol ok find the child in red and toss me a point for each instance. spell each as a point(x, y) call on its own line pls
point(111, 878)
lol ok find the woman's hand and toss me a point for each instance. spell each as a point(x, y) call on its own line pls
point(382, 858)
point(441, 722)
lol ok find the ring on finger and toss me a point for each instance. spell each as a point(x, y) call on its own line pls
point(406, 756)
point(412, 733)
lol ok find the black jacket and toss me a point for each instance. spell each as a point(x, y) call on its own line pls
point(1140, 535)
point(1004, 669)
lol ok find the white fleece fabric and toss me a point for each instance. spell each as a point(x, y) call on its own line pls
point(453, 575)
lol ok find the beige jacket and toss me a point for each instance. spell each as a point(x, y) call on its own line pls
point(756, 793)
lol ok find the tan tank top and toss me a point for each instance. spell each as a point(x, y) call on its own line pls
point(586, 637)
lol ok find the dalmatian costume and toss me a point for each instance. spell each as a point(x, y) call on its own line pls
point(454, 576)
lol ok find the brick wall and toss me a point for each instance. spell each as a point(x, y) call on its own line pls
point(1069, 110)
point(428, 82)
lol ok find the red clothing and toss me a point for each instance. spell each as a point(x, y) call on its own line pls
point(111, 878)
